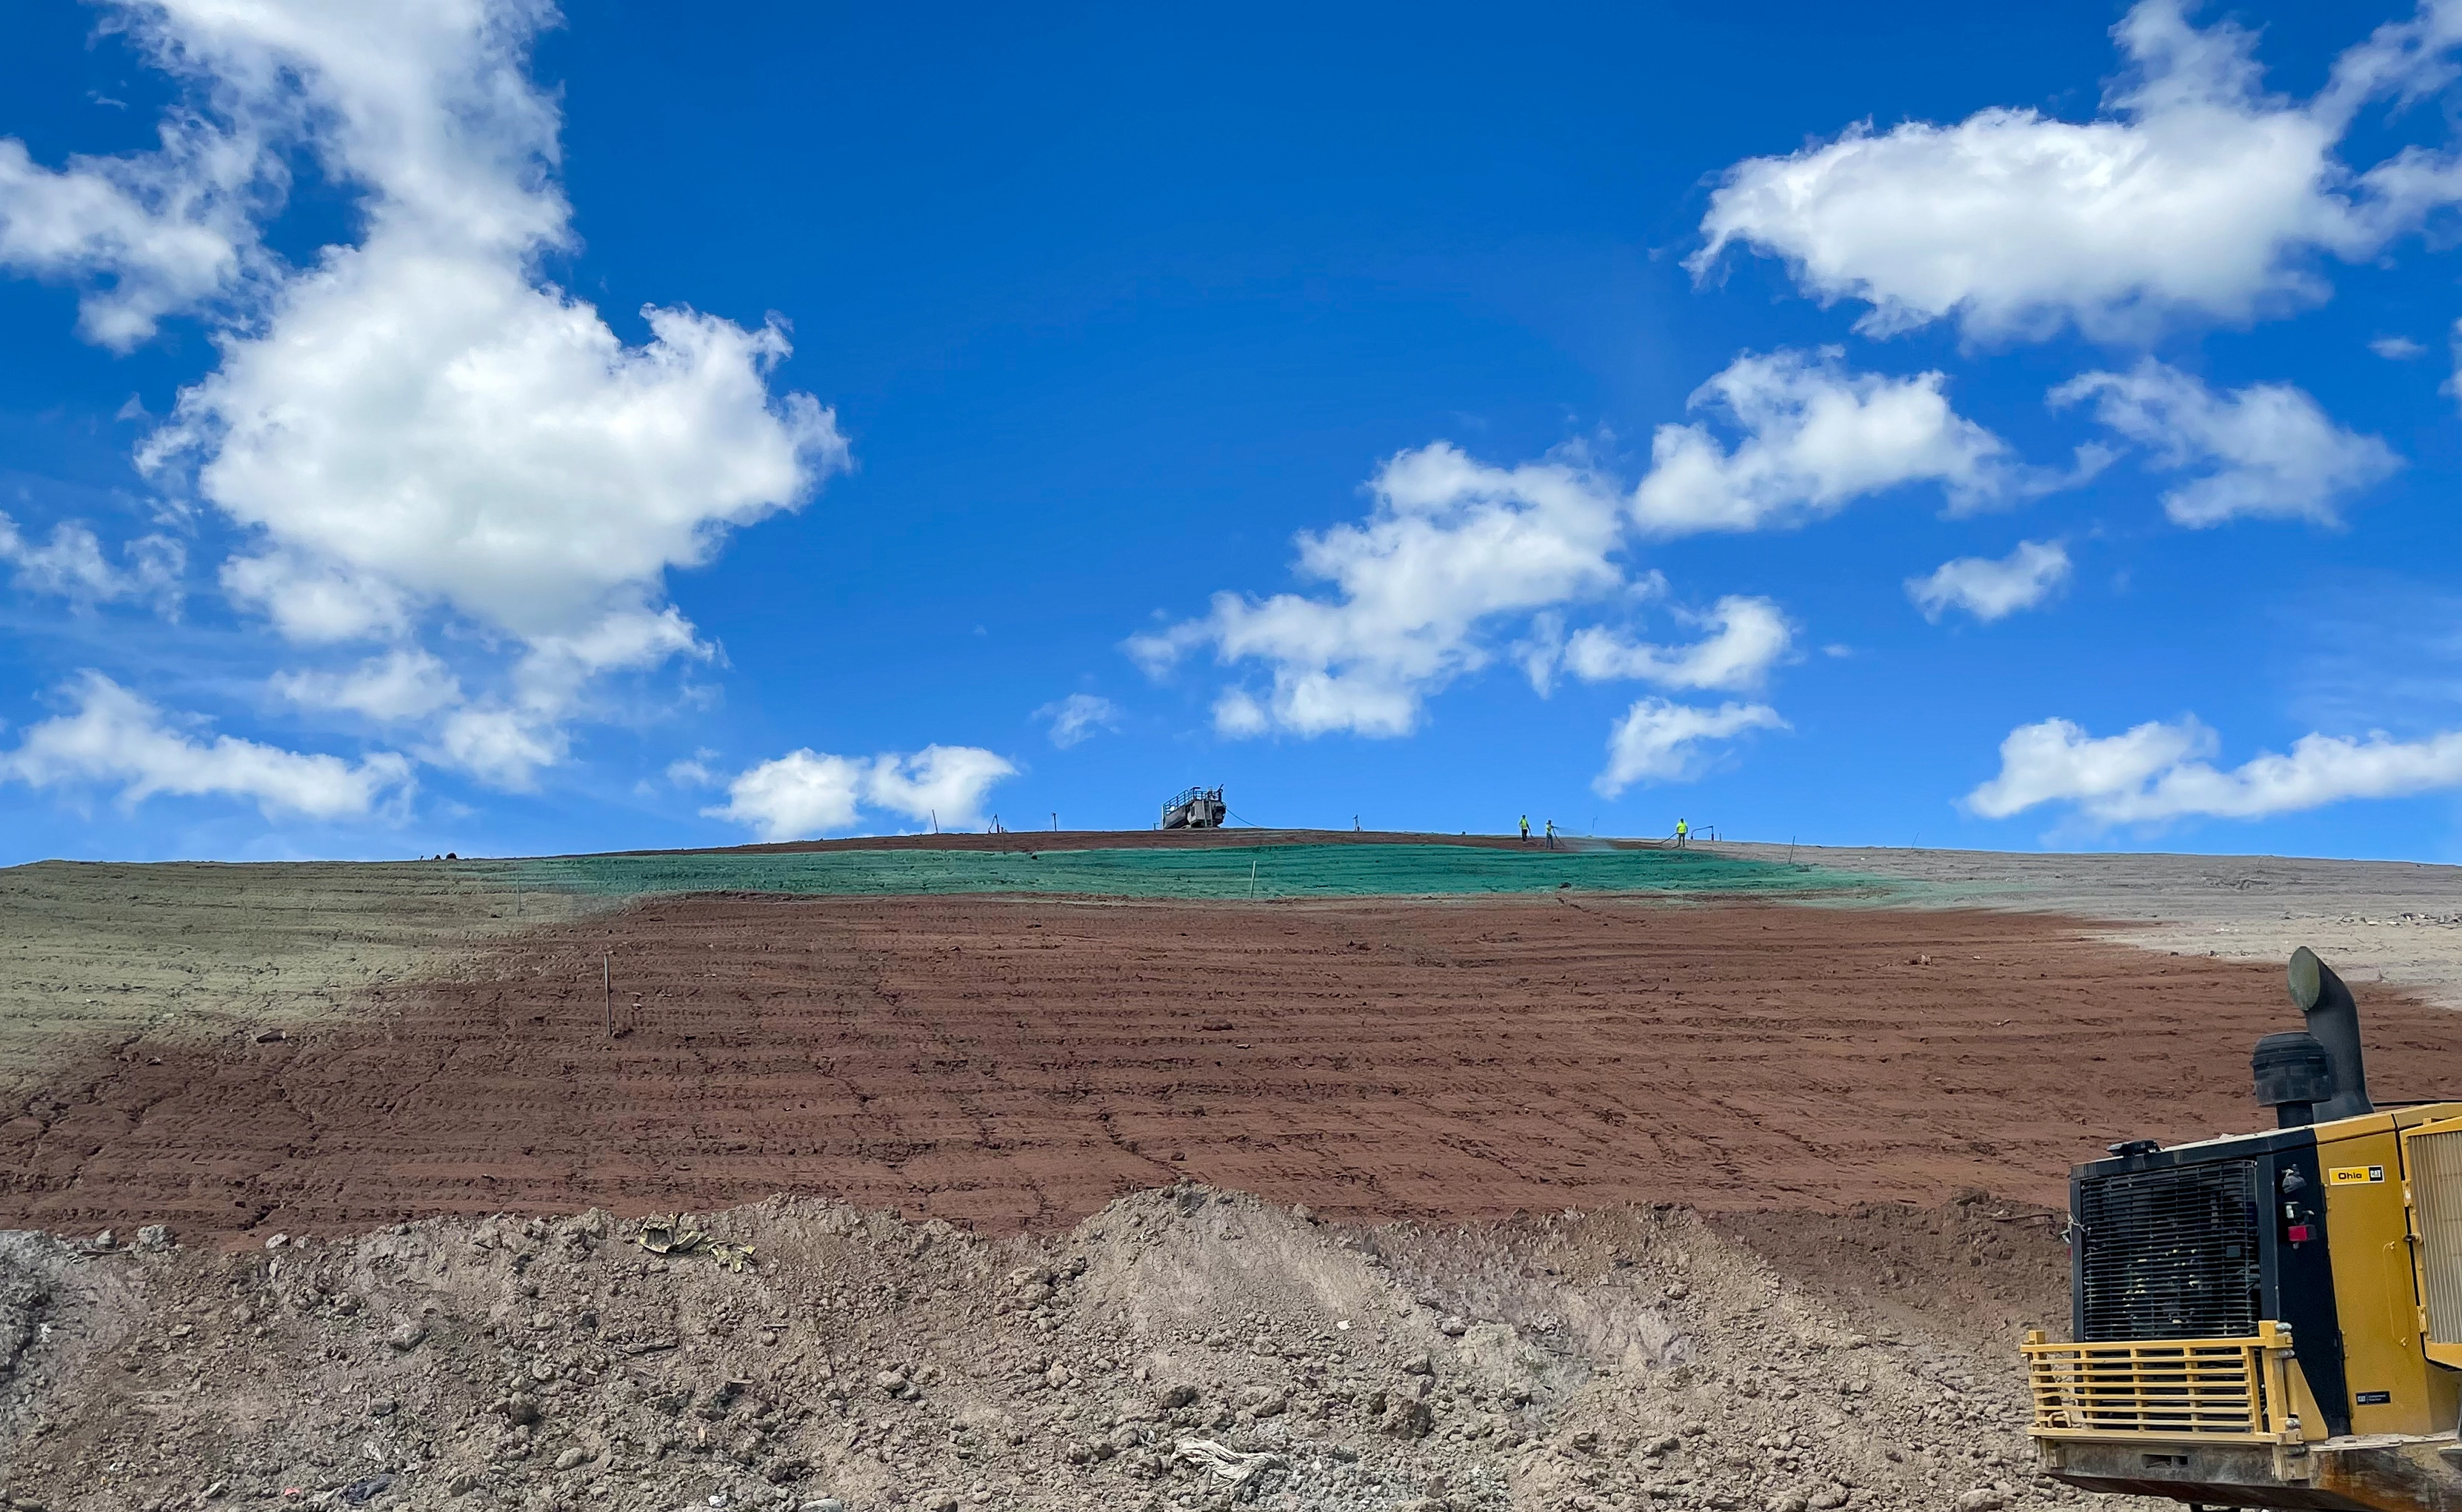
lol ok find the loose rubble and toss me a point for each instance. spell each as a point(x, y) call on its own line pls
point(1183, 1349)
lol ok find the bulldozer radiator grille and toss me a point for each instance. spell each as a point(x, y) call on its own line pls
point(2169, 1254)
point(2436, 1200)
point(2172, 1389)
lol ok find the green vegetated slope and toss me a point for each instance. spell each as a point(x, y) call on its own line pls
point(1212, 874)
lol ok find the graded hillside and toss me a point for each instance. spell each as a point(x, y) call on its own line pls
point(1607, 1176)
point(1006, 1062)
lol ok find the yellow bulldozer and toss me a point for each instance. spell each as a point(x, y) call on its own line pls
point(2275, 1319)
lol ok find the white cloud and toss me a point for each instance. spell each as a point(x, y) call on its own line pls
point(419, 428)
point(2267, 450)
point(804, 793)
point(1748, 635)
point(2158, 772)
point(799, 796)
point(403, 684)
point(1238, 714)
point(1815, 437)
point(941, 784)
point(1659, 741)
point(425, 429)
point(1451, 546)
point(147, 237)
point(1541, 650)
point(115, 738)
point(1460, 563)
point(2397, 349)
point(694, 770)
point(73, 566)
point(1078, 718)
point(1991, 588)
point(501, 745)
point(2192, 192)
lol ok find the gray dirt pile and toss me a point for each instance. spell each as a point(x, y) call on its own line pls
point(1183, 1348)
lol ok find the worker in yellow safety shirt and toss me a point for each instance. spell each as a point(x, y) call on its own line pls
point(1525, 828)
point(1683, 834)
point(1552, 835)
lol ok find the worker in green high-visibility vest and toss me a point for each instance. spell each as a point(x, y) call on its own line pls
point(1683, 834)
point(1525, 828)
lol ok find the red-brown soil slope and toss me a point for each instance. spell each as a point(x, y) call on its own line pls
point(1014, 1063)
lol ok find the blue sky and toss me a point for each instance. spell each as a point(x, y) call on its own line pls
point(502, 431)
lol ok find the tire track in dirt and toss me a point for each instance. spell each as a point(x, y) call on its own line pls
point(1014, 1063)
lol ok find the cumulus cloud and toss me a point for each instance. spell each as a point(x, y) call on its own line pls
point(694, 770)
point(438, 431)
point(2267, 450)
point(939, 783)
point(2158, 772)
point(1238, 714)
point(1460, 563)
point(501, 745)
point(1452, 547)
point(403, 684)
point(144, 237)
point(801, 794)
point(804, 793)
point(114, 737)
point(1992, 588)
point(1747, 637)
point(1659, 741)
point(2193, 191)
point(1078, 718)
point(1816, 437)
point(2397, 349)
point(418, 429)
point(73, 565)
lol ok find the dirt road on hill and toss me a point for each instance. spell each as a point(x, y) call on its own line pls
point(1014, 1064)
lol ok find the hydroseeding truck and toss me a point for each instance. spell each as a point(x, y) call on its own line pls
point(1194, 808)
point(2269, 1320)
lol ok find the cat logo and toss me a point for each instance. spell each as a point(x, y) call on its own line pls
point(2354, 1174)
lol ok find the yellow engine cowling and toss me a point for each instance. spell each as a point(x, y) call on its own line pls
point(2351, 1407)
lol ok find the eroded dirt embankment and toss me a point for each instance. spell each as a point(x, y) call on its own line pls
point(1014, 1064)
point(1182, 1349)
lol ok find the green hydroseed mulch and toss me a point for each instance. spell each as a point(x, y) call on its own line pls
point(1214, 873)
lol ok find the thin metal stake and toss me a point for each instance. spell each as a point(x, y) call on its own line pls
point(1252, 878)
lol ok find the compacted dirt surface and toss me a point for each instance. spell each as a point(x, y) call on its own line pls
point(1016, 1064)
